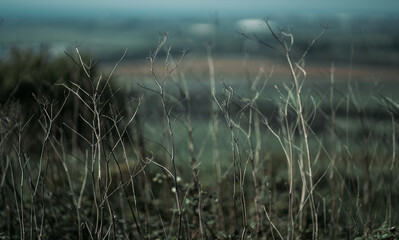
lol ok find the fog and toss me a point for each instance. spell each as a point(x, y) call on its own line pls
point(102, 8)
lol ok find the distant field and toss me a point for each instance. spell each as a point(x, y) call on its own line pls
point(374, 39)
point(235, 68)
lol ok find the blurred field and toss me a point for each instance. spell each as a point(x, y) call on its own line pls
point(374, 37)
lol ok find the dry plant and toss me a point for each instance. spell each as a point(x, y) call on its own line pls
point(295, 100)
point(160, 81)
point(107, 130)
point(109, 184)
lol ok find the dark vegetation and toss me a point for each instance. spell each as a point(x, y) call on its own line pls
point(80, 158)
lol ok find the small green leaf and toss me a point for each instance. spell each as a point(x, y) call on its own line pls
point(385, 236)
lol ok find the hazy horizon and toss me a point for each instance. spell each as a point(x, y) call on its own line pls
point(103, 8)
point(106, 28)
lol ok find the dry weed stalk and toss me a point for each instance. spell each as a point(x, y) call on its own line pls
point(102, 120)
point(160, 81)
point(295, 100)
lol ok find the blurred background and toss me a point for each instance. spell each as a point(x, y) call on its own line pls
point(106, 28)
point(361, 41)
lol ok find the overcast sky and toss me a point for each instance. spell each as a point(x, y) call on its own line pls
point(20, 8)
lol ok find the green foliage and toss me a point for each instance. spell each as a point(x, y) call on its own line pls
point(382, 233)
point(25, 72)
